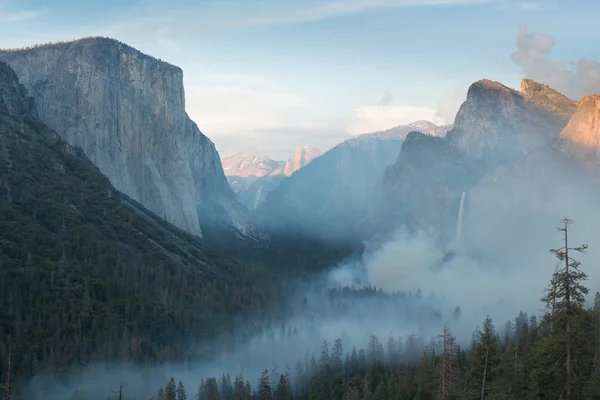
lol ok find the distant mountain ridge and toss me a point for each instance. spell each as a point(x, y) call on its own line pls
point(126, 110)
point(334, 194)
point(245, 165)
point(253, 177)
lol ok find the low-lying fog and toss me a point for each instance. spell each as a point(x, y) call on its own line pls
point(500, 267)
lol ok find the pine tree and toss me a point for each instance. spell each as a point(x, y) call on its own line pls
point(392, 351)
point(284, 389)
point(374, 350)
point(596, 319)
point(211, 390)
point(226, 390)
point(336, 357)
point(565, 298)
point(324, 360)
point(181, 392)
point(171, 390)
point(161, 394)
point(264, 387)
point(201, 391)
point(240, 390)
point(484, 360)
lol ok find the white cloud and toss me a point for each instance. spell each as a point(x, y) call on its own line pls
point(450, 103)
point(215, 16)
point(331, 9)
point(225, 110)
point(17, 16)
point(574, 79)
point(536, 6)
point(376, 118)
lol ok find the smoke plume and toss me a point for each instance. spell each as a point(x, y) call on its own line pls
point(574, 79)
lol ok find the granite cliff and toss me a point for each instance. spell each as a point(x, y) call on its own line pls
point(499, 124)
point(73, 248)
point(580, 140)
point(126, 110)
point(495, 129)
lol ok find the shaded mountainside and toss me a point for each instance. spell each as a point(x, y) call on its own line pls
point(126, 110)
point(426, 180)
point(86, 273)
point(495, 127)
point(333, 195)
point(252, 191)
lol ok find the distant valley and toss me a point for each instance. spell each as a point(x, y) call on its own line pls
point(253, 177)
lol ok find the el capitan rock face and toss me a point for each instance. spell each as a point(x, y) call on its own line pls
point(126, 110)
point(580, 140)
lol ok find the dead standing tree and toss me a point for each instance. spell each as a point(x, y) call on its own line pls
point(448, 372)
point(120, 391)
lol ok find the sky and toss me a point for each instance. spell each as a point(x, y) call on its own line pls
point(266, 76)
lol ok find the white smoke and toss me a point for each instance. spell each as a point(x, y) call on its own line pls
point(574, 79)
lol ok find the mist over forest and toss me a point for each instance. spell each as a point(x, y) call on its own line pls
point(422, 261)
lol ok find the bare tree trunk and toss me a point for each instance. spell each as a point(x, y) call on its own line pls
point(444, 357)
point(487, 350)
point(568, 304)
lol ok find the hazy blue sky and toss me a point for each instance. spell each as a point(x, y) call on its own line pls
point(265, 76)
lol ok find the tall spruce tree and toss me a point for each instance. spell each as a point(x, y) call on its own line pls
point(565, 299)
point(181, 395)
point(171, 390)
point(264, 387)
point(284, 388)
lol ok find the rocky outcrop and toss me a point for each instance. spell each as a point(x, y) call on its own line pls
point(548, 99)
point(13, 96)
point(126, 110)
point(302, 156)
point(499, 124)
point(334, 195)
point(495, 129)
point(580, 140)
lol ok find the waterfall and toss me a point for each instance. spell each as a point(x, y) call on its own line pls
point(459, 223)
